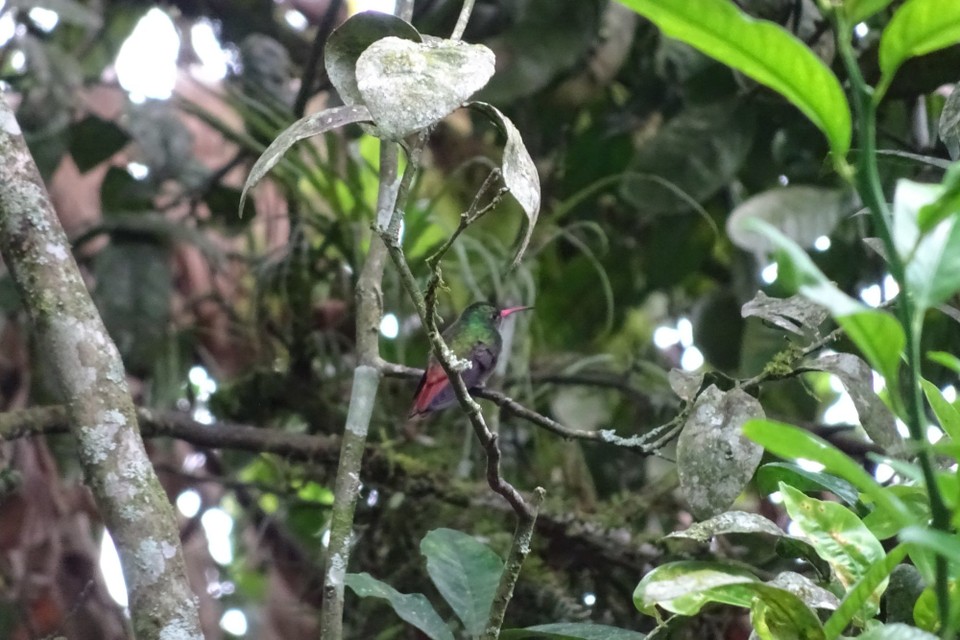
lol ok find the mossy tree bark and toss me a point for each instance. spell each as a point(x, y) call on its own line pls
point(87, 371)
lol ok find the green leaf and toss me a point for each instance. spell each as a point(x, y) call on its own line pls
point(792, 442)
point(863, 591)
point(684, 587)
point(518, 170)
point(947, 414)
point(411, 85)
point(884, 524)
point(571, 631)
point(314, 124)
point(728, 522)
point(777, 614)
point(880, 338)
point(926, 611)
point(918, 27)
point(945, 359)
point(765, 51)
point(93, 140)
point(859, 10)
point(770, 475)
point(941, 543)
point(839, 537)
point(413, 607)
point(466, 573)
point(946, 205)
point(714, 460)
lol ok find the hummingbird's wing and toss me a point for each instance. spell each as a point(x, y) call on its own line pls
point(434, 391)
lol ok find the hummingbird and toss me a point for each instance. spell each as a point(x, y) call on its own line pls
point(474, 336)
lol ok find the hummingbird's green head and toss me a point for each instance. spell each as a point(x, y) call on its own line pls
point(484, 313)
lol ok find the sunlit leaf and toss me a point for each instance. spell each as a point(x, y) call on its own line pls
point(770, 475)
point(466, 573)
point(714, 460)
point(918, 27)
point(947, 414)
point(765, 51)
point(790, 442)
point(683, 587)
point(411, 607)
point(411, 85)
point(314, 124)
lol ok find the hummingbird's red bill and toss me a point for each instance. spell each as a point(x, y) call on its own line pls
point(506, 312)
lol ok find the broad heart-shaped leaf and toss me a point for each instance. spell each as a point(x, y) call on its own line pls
point(762, 50)
point(839, 537)
point(685, 587)
point(571, 631)
point(314, 124)
point(896, 631)
point(859, 10)
point(790, 442)
point(690, 158)
point(857, 378)
point(802, 213)
point(351, 39)
point(932, 259)
point(947, 414)
point(466, 573)
point(411, 85)
point(949, 126)
point(681, 587)
point(918, 27)
point(519, 172)
point(770, 475)
point(795, 314)
point(411, 607)
point(714, 460)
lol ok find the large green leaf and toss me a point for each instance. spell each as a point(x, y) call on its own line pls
point(770, 475)
point(685, 587)
point(839, 537)
point(917, 28)
point(765, 51)
point(792, 442)
point(571, 631)
point(411, 607)
point(466, 573)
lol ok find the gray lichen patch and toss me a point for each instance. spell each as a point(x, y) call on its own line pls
point(150, 563)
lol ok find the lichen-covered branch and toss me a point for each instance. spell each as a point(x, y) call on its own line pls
point(88, 373)
point(366, 380)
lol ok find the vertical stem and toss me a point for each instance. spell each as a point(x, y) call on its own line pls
point(911, 318)
point(462, 20)
point(366, 379)
point(89, 375)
